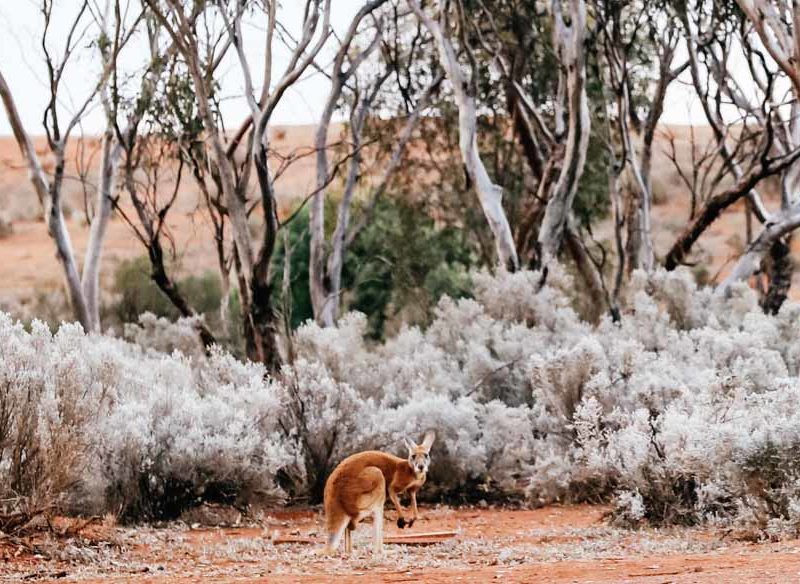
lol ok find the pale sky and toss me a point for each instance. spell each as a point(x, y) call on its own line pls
point(22, 64)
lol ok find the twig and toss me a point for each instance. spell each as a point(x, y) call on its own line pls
point(481, 381)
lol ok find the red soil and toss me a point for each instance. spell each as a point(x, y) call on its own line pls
point(554, 544)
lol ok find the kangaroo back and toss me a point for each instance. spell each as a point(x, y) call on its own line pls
point(355, 489)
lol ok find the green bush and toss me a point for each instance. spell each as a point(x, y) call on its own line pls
point(138, 293)
point(399, 267)
point(299, 305)
point(401, 263)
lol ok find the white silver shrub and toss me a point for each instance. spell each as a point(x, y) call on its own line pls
point(684, 411)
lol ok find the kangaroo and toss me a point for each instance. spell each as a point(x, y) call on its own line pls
point(359, 485)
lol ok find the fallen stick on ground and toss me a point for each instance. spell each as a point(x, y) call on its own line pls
point(429, 538)
point(423, 535)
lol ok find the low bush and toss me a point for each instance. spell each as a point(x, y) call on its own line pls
point(6, 226)
point(92, 424)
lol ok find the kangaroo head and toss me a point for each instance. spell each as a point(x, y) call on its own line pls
point(419, 455)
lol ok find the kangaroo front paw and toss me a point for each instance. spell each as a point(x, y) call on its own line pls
point(402, 522)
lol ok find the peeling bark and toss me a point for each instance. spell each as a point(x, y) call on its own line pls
point(325, 261)
point(778, 267)
point(489, 194)
point(90, 282)
point(569, 39)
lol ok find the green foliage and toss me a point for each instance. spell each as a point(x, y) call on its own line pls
point(401, 264)
point(404, 262)
point(138, 293)
point(298, 236)
point(592, 200)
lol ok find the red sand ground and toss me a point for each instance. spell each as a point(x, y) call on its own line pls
point(553, 544)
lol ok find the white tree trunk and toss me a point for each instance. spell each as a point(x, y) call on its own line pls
point(645, 256)
point(790, 181)
point(50, 197)
point(57, 228)
point(750, 262)
point(344, 234)
point(236, 207)
point(112, 152)
point(330, 309)
point(490, 195)
point(37, 175)
point(324, 284)
point(319, 288)
point(569, 41)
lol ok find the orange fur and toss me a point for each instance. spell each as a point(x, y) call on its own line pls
point(359, 485)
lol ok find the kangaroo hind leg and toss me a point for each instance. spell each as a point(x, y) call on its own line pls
point(335, 532)
point(372, 500)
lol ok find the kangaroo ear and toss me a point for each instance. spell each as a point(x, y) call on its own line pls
point(410, 444)
point(427, 442)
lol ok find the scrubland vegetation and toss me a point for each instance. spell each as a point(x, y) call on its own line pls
point(683, 412)
point(488, 231)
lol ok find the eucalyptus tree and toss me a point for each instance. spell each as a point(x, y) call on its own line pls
point(325, 266)
point(109, 27)
point(362, 87)
point(757, 130)
point(160, 141)
point(252, 255)
point(464, 88)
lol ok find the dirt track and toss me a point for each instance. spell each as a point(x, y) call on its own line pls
point(555, 544)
